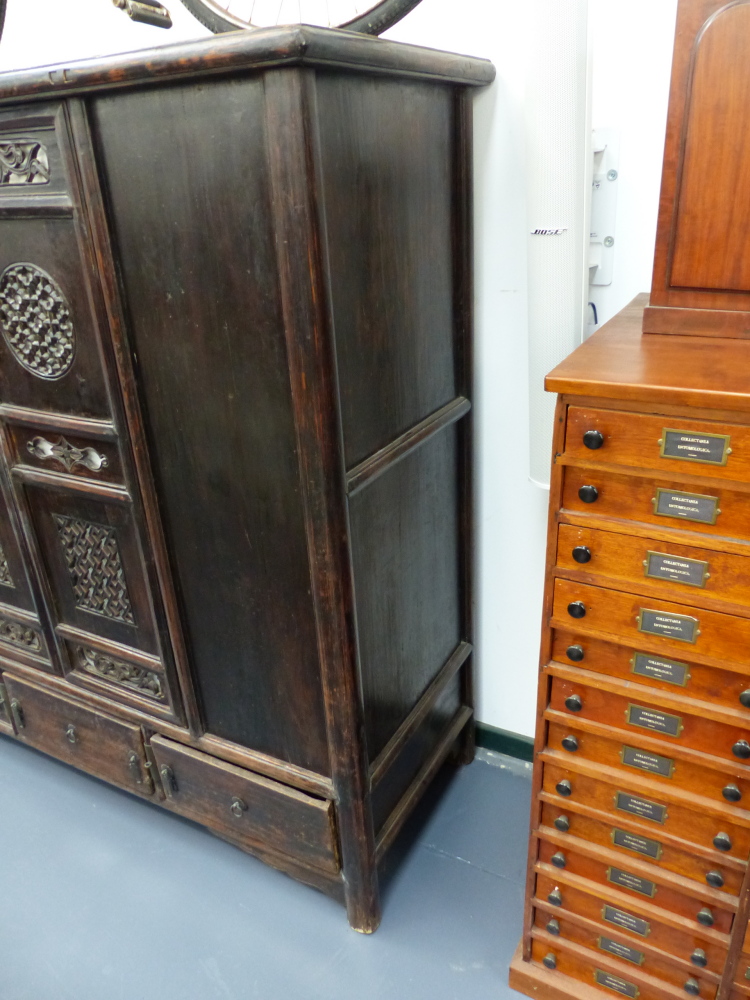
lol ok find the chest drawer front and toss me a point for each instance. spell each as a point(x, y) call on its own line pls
point(682, 629)
point(717, 510)
point(742, 974)
point(247, 808)
point(672, 674)
point(625, 842)
point(606, 940)
point(666, 444)
point(682, 572)
point(624, 751)
point(631, 715)
point(652, 811)
point(633, 923)
point(102, 746)
point(636, 880)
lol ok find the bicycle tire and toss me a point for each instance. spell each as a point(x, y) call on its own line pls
point(379, 18)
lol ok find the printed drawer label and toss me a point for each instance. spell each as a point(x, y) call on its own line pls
point(615, 983)
point(644, 808)
point(658, 722)
point(632, 842)
point(684, 628)
point(621, 950)
point(669, 671)
point(628, 922)
point(691, 446)
point(687, 506)
point(651, 762)
point(633, 882)
point(663, 566)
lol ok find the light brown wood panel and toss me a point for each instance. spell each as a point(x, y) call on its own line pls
point(653, 961)
point(621, 710)
point(742, 973)
point(602, 789)
point(642, 880)
point(710, 684)
point(653, 567)
point(675, 936)
point(628, 841)
point(722, 639)
point(636, 439)
point(625, 751)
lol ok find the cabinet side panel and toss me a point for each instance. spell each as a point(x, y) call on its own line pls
point(405, 549)
point(184, 169)
point(386, 149)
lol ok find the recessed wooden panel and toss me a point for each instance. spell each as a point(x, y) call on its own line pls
point(32, 164)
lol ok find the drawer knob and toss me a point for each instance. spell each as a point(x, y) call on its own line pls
point(705, 917)
point(722, 842)
point(577, 609)
point(731, 793)
point(168, 779)
point(575, 653)
point(693, 987)
point(593, 439)
point(553, 927)
point(549, 961)
point(699, 958)
point(238, 807)
point(555, 897)
point(582, 554)
point(562, 823)
point(70, 734)
point(741, 749)
point(570, 743)
point(715, 879)
point(745, 698)
point(589, 494)
point(558, 859)
point(574, 703)
point(564, 787)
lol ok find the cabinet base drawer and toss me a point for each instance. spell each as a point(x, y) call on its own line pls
point(251, 811)
point(95, 743)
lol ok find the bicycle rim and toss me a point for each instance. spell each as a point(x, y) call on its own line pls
point(230, 15)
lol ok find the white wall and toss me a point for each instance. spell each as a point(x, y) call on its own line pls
point(632, 46)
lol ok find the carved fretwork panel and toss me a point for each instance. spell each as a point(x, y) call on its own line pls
point(23, 161)
point(6, 580)
point(21, 636)
point(95, 566)
point(128, 675)
point(35, 320)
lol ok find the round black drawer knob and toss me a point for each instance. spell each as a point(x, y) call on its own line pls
point(577, 609)
point(722, 842)
point(582, 554)
point(593, 439)
point(740, 749)
point(589, 494)
point(731, 793)
point(693, 987)
point(558, 859)
point(562, 823)
point(705, 917)
point(553, 927)
point(549, 961)
point(555, 897)
point(745, 698)
point(574, 703)
point(699, 958)
point(575, 653)
point(565, 788)
point(570, 743)
point(715, 879)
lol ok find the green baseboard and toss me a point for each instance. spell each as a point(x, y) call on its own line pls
point(500, 740)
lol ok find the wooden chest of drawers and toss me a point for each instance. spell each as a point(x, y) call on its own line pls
point(235, 307)
point(638, 870)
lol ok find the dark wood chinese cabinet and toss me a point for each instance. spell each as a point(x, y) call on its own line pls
point(235, 305)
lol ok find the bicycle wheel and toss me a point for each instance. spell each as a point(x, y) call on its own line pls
point(365, 16)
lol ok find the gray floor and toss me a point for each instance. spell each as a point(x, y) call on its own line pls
point(106, 898)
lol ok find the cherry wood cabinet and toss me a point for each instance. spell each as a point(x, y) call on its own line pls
point(235, 370)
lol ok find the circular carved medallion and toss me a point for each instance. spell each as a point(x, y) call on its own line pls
point(35, 321)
